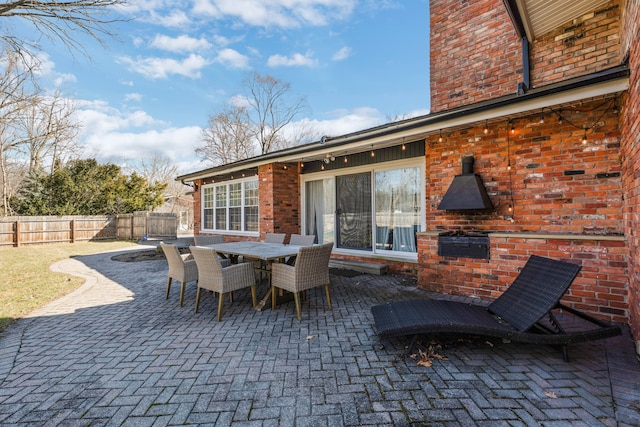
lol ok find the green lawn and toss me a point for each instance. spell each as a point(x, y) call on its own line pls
point(28, 283)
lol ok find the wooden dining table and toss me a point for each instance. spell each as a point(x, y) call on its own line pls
point(263, 251)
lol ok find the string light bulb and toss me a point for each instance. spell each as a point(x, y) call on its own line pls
point(486, 127)
point(440, 137)
point(584, 137)
point(404, 147)
point(542, 117)
point(373, 153)
point(513, 129)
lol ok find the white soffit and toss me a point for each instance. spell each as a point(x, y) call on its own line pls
point(542, 16)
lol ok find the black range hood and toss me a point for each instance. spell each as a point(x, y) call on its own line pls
point(467, 192)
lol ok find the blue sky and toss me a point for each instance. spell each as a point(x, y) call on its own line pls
point(358, 64)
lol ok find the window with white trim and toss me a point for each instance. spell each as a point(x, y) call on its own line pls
point(231, 206)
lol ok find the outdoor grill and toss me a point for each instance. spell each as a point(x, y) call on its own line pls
point(473, 244)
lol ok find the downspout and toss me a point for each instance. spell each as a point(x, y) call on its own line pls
point(526, 68)
point(516, 19)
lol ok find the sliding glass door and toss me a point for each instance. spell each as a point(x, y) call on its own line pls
point(378, 210)
point(353, 209)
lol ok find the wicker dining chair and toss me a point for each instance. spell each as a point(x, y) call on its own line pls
point(299, 240)
point(275, 238)
point(310, 270)
point(222, 280)
point(180, 268)
point(302, 240)
point(204, 240)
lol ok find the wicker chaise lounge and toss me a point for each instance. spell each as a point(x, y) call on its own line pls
point(522, 313)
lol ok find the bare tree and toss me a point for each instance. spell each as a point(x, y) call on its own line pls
point(48, 130)
point(59, 20)
point(155, 169)
point(260, 121)
point(228, 138)
point(270, 110)
point(159, 169)
point(17, 90)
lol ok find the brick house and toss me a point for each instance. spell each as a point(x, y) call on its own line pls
point(545, 98)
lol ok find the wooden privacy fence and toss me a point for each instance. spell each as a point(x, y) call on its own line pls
point(24, 230)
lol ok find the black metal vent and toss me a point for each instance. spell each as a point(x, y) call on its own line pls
point(463, 245)
point(467, 192)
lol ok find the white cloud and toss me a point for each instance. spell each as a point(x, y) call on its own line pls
point(341, 122)
point(239, 101)
point(181, 43)
point(97, 117)
point(221, 40)
point(232, 58)
point(342, 54)
point(297, 60)
point(133, 97)
point(63, 78)
point(112, 135)
point(277, 13)
point(41, 63)
point(177, 18)
point(161, 68)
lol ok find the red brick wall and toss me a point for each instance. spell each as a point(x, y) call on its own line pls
point(553, 183)
point(585, 45)
point(630, 150)
point(279, 187)
point(600, 289)
point(197, 207)
point(553, 187)
point(475, 52)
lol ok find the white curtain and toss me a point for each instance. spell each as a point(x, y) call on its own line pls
point(320, 209)
point(398, 209)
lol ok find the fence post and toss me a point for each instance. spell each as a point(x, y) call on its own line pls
point(73, 231)
point(16, 237)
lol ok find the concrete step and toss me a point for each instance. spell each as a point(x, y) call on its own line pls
point(360, 266)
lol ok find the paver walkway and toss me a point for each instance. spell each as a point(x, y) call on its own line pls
point(115, 352)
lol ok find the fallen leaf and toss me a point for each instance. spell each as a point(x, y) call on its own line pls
point(425, 362)
point(550, 394)
point(489, 343)
point(310, 337)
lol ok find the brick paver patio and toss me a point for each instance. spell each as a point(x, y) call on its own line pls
point(116, 352)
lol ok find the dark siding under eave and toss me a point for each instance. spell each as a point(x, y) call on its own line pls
point(389, 154)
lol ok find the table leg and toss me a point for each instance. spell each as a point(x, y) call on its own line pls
point(263, 302)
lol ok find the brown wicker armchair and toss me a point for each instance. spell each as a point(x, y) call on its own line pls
point(214, 277)
point(275, 237)
point(204, 240)
point(180, 268)
point(302, 240)
point(299, 240)
point(310, 270)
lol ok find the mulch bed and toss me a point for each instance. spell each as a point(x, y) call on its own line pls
point(143, 255)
